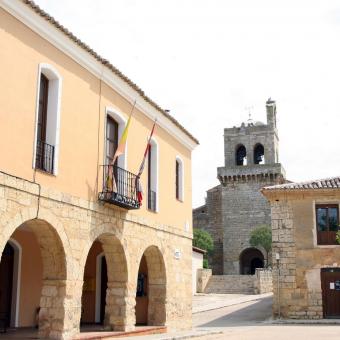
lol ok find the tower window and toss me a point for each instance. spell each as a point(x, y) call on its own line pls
point(259, 154)
point(241, 155)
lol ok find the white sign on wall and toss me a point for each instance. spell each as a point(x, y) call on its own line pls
point(177, 254)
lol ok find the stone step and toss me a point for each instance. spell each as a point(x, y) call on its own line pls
point(229, 284)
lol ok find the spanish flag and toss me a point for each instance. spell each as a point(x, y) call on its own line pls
point(141, 168)
point(122, 143)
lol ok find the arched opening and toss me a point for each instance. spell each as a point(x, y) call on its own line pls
point(32, 279)
point(151, 289)
point(250, 259)
point(105, 286)
point(10, 275)
point(259, 154)
point(241, 155)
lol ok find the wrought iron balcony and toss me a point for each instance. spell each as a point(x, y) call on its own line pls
point(152, 199)
point(44, 158)
point(119, 187)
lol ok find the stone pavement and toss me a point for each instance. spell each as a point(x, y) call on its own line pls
point(205, 302)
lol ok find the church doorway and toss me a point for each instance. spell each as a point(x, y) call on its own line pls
point(250, 259)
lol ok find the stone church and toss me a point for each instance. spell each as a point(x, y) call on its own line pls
point(236, 206)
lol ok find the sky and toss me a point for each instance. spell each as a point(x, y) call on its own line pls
point(208, 61)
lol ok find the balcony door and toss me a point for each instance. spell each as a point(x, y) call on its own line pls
point(111, 139)
point(111, 147)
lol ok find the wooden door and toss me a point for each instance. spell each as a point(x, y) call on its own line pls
point(6, 283)
point(330, 285)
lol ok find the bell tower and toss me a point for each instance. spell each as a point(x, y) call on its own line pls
point(251, 161)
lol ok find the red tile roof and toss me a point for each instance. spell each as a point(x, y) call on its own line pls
point(327, 183)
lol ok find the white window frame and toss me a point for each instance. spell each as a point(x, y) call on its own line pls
point(16, 282)
point(53, 111)
point(121, 121)
point(180, 179)
point(155, 169)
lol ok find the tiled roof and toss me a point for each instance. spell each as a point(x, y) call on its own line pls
point(199, 250)
point(327, 183)
point(105, 62)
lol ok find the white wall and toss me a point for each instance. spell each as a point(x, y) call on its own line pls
point(197, 262)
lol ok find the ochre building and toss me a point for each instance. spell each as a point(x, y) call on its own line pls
point(78, 246)
point(306, 254)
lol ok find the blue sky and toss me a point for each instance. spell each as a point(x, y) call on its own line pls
point(207, 61)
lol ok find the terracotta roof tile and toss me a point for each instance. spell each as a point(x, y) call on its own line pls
point(105, 62)
point(327, 183)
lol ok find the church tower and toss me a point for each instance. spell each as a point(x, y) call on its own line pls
point(251, 162)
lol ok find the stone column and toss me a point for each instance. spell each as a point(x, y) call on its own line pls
point(120, 306)
point(59, 313)
point(157, 305)
point(284, 282)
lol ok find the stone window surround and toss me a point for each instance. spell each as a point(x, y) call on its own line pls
point(315, 242)
point(180, 178)
point(154, 146)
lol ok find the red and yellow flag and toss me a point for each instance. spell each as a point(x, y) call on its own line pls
point(122, 143)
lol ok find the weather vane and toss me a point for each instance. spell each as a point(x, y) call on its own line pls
point(249, 109)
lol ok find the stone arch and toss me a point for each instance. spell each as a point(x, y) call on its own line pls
point(52, 311)
point(240, 155)
point(156, 282)
point(117, 292)
point(250, 259)
point(259, 154)
point(29, 214)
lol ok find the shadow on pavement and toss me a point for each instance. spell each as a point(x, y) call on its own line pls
point(257, 312)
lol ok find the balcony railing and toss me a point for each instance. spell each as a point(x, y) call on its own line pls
point(152, 199)
point(44, 159)
point(119, 187)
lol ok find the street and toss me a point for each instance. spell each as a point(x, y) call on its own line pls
point(251, 321)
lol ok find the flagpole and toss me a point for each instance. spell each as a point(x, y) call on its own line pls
point(139, 189)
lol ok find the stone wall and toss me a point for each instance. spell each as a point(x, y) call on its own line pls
point(259, 283)
point(203, 277)
point(209, 218)
point(230, 284)
point(297, 274)
point(245, 208)
point(263, 281)
point(66, 227)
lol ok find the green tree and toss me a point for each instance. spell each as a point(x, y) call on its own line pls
point(202, 239)
point(261, 236)
point(337, 237)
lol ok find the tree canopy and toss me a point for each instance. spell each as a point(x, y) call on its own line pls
point(202, 239)
point(261, 236)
